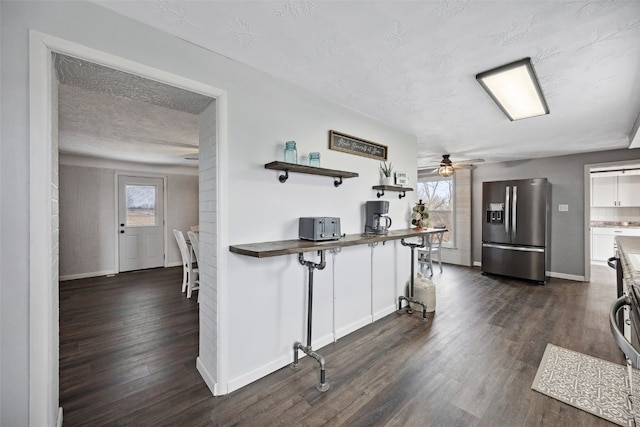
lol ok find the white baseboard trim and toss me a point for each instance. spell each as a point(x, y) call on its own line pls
point(287, 358)
point(105, 273)
point(318, 343)
point(346, 330)
point(262, 371)
point(206, 376)
point(565, 276)
point(59, 420)
point(280, 362)
point(85, 275)
point(549, 273)
point(384, 312)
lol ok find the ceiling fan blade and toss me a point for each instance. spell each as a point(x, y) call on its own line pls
point(469, 162)
point(431, 163)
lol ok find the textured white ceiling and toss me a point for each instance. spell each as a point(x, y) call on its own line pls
point(107, 113)
point(88, 75)
point(99, 125)
point(412, 64)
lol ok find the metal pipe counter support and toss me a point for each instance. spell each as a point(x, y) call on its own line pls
point(410, 298)
point(322, 385)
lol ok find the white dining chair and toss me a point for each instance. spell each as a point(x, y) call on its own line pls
point(188, 270)
point(427, 256)
point(195, 246)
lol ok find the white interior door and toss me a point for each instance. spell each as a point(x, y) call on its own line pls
point(140, 222)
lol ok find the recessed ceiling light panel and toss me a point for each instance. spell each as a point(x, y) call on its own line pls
point(515, 88)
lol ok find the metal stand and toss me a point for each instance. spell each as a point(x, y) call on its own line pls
point(322, 385)
point(410, 298)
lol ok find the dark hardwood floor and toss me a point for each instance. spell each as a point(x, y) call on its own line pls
point(128, 346)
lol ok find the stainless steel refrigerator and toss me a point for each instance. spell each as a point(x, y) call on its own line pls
point(515, 238)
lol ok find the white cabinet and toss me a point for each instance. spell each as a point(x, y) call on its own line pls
point(629, 190)
point(601, 246)
point(604, 191)
point(366, 283)
point(621, 191)
point(602, 241)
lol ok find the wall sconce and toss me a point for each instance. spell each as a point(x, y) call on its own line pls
point(516, 90)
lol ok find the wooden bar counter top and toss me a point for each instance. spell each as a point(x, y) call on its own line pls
point(296, 246)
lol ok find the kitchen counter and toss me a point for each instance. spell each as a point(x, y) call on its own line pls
point(629, 253)
point(286, 247)
point(615, 224)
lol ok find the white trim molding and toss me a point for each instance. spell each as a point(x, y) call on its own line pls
point(85, 275)
point(565, 276)
point(41, 286)
point(206, 376)
point(573, 277)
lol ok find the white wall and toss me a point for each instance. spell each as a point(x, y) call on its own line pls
point(207, 362)
point(263, 209)
point(1, 233)
point(14, 217)
point(1, 228)
point(262, 114)
point(182, 213)
point(87, 228)
point(88, 198)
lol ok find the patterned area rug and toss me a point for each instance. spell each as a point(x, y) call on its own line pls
point(587, 383)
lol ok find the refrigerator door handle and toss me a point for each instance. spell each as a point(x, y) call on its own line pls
point(513, 248)
point(507, 208)
point(513, 214)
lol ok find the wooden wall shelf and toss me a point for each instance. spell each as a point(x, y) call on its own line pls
point(311, 170)
point(402, 190)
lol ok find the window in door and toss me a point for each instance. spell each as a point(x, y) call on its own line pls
point(141, 205)
point(438, 193)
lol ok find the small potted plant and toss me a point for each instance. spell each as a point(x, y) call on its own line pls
point(420, 216)
point(387, 173)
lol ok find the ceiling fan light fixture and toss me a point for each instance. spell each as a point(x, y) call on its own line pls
point(445, 171)
point(516, 90)
point(446, 167)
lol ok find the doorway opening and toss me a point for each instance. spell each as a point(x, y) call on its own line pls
point(612, 208)
point(44, 269)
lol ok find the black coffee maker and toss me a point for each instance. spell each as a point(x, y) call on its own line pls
point(376, 220)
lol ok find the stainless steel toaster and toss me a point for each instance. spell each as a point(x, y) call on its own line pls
point(319, 228)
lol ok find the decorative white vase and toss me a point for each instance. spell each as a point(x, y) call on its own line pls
point(387, 180)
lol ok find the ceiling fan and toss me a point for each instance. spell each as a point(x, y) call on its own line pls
point(446, 167)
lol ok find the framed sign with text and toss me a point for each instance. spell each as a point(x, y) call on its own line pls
point(358, 146)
